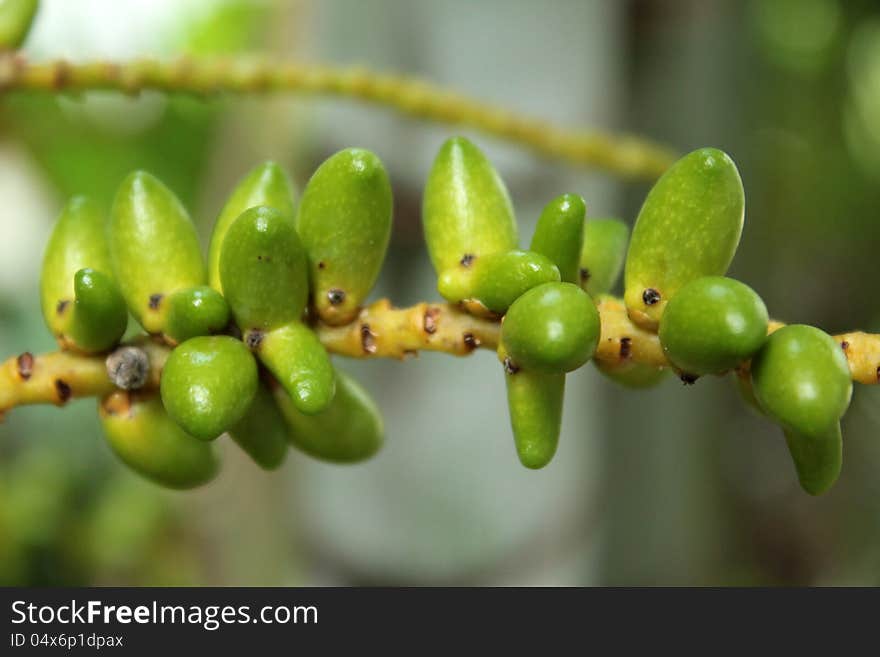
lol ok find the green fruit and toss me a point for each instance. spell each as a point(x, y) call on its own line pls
point(802, 380)
point(712, 325)
point(195, 311)
point(466, 210)
point(534, 400)
point(688, 227)
point(142, 434)
point(349, 430)
point(81, 302)
point(551, 328)
point(263, 270)
point(559, 234)
point(16, 17)
point(631, 374)
point(497, 280)
point(344, 221)
point(154, 247)
point(602, 255)
point(262, 432)
point(208, 383)
point(266, 184)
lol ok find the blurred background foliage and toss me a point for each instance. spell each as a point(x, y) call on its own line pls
point(667, 486)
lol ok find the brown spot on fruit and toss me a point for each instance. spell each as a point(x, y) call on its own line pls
point(650, 296)
point(155, 300)
point(510, 367)
point(62, 388)
point(321, 265)
point(430, 321)
point(368, 339)
point(335, 296)
point(625, 347)
point(25, 364)
point(62, 306)
point(584, 275)
point(467, 259)
point(254, 339)
point(688, 379)
point(471, 342)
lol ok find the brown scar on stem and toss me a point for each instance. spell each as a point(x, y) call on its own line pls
point(410, 353)
point(155, 300)
point(471, 342)
point(62, 306)
point(509, 366)
point(368, 339)
point(625, 347)
point(430, 321)
point(25, 364)
point(254, 338)
point(63, 390)
point(844, 345)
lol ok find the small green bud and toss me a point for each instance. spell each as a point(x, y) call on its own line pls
point(263, 270)
point(262, 432)
point(195, 311)
point(344, 221)
point(154, 247)
point(81, 303)
point(688, 227)
point(559, 234)
point(497, 280)
point(551, 328)
point(349, 430)
point(145, 438)
point(16, 17)
point(535, 403)
point(208, 383)
point(712, 325)
point(602, 255)
point(266, 184)
point(466, 210)
point(802, 380)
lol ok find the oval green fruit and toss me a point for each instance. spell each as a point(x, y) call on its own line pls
point(534, 400)
point(208, 384)
point(81, 303)
point(349, 430)
point(497, 280)
point(559, 234)
point(146, 439)
point(712, 325)
point(689, 226)
point(344, 222)
point(195, 311)
point(817, 458)
point(262, 432)
point(466, 209)
point(154, 247)
point(602, 255)
point(263, 269)
point(266, 184)
point(551, 328)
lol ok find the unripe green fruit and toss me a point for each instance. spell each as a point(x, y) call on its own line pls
point(266, 184)
point(534, 400)
point(712, 325)
point(349, 430)
point(16, 17)
point(195, 311)
point(559, 234)
point(631, 374)
point(263, 270)
point(81, 302)
point(344, 222)
point(154, 248)
point(208, 383)
point(466, 210)
point(802, 380)
point(688, 227)
point(602, 255)
point(144, 437)
point(551, 328)
point(262, 432)
point(497, 280)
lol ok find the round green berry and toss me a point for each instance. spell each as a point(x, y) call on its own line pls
point(713, 324)
point(552, 328)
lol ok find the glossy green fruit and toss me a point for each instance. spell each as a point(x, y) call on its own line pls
point(534, 400)
point(142, 434)
point(602, 255)
point(16, 17)
point(344, 222)
point(262, 432)
point(559, 234)
point(631, 374)
point(688, 227)
point(466, 210)
point(497, 280)
point(195, 311)
point(551, 328)
point(208, 383)
point(349, 430)
point(154, 248)
point(266, 184)
point(712, 325)
point(802, 380)
point(263, 270)
point(81, 303)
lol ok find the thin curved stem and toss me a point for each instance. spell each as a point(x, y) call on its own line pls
point(624, 155)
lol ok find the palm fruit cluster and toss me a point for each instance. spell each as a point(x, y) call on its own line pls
point(246, 360)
